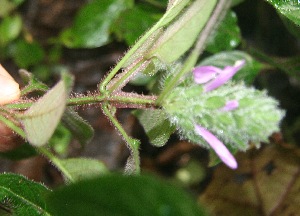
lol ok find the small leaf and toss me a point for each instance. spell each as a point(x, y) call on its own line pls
point(80, 128)
point(181, 35)
point(83, 168)
point(22, 196)
point(227, 36)
point(156, 125)
point(290, 9)
point(129, 28)
point(222, 59)
point(60, 140)
point(10, 28)
point(27, 54)
point(116, 195)
point(7, 6)
point(92, 24)
point(41, 119)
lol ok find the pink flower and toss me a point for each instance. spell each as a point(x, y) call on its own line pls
point(213, 77)
point(230, 105)
point(220, 149)
point(9, 88)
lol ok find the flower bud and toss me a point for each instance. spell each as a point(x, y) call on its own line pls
point(234, 113)
point(214, 112)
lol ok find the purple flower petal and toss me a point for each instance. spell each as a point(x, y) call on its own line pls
point(203, 74)
point(220, 149)
point(224, 76)
point(230, 105)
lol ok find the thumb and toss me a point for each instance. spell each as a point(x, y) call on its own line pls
point(9, 88)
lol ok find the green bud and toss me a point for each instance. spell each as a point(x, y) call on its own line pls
point(254, 116)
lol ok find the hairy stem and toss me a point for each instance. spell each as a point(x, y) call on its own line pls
point(161, 23)
point(56, 162)
point(13, 126)
point(132, 144)
point(120, 97)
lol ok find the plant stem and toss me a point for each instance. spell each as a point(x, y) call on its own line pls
point(56, 162)
point(83, 100)
point(114, 71)
point(130, 99)
point(121, 97)
point(121, 81)
point(132, 144)
point(166, 19)
point(13, 126)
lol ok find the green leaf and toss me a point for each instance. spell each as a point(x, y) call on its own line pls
point(42, 118)
point(10, 28)
point(22, 152)
point(156, 125)
point(174, 8)
point(129, 27)
point(83, 168)
point(291, 26)
point(27, 54)
point(93, 22)
point(116, 195)
point(142, 47)
point(60, 140)
point(236, 2)
point(22, 196)
point(223, 59)
point(290, 9)
point(181, 35)
point(227, 36)
point(80, 128)
point(7, 6)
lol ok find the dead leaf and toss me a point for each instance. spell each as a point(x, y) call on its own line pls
point(267, 182)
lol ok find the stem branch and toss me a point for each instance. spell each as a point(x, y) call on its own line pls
point(132, 144)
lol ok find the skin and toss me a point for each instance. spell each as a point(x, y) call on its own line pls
point(9, 92)
point(9, 88)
